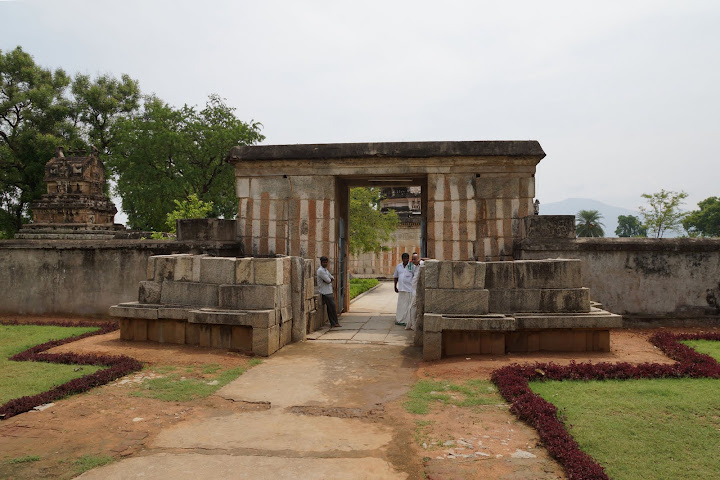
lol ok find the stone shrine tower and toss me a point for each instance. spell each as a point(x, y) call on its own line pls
point(75, 205)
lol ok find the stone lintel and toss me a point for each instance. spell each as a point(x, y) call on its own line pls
point(529, 148)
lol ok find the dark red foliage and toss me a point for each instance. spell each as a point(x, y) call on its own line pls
point(118, 366)
point(512, 382)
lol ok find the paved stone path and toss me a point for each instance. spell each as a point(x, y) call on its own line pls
point(324, 401)
point(371, 320)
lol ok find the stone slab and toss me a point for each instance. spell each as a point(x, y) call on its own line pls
point(217, 270)
point(565, 300)
point(438, 323)
point(189, 293)
point(252, 430)
point(499, 275)
point(249, 297)
point(432, 346)
point(473, 342)
point(149, 292)
point(556, 273)
point(244, 271)
point(470, 302)
point(132, 311)
point(266, 341)
point(601, 319)
point(241, 339)
point(174, 313)
point(514, 300)
point(431, 273)
point(269, 271)
point(254, 318)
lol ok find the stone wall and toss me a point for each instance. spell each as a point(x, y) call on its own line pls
point(372, 265)
point(642, 277)
point(81, 277)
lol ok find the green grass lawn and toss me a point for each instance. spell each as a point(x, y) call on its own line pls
point(708, 347)
point(649, 429)
point(18, 379)
point(360, 285)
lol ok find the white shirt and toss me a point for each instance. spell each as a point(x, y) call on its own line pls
point(405, 277)
point(324, 281)
point(416, 276)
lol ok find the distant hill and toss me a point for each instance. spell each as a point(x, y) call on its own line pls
point(573, 205)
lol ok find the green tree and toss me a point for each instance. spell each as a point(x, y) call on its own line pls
point(33, 122)
point(587, 224)
point(165, 154)
point(369, 227)
point(663, 214)
point(191, 207)
point(706, 221)
point(100, 103)
point(630, 226)
point(38, 113)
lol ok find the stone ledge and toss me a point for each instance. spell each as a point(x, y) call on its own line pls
point(597, 319)
point(438, 323)
point(255, 319)
point(135, 310)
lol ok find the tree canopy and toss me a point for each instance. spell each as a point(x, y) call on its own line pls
point(166, 153)
point(588, 224)
point(663, 214)
point(369, 227)
point(630, 226)
point(704, 222)
point(41, 110)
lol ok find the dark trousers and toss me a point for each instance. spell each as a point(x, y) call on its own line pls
point(329, 302)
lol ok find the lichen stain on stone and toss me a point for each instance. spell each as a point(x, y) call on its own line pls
point(649, 264)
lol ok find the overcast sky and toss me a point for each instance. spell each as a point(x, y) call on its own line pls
point(623, 96)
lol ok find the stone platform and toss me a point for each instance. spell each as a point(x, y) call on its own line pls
point(257, 305)
point(504, 307)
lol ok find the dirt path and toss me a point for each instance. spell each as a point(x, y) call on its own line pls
point(313, 410)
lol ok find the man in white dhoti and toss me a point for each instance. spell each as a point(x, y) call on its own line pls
point(403, 287)
point(413, 302)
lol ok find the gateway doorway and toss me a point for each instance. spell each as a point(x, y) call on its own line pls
point(384, 263)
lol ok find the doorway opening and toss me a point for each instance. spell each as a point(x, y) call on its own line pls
point(407, 197)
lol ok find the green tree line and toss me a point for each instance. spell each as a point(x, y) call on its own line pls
point(155, 153)
point(662, 213)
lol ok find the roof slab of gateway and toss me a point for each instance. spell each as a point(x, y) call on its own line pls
point(333, 151)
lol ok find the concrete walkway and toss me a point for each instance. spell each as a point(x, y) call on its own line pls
point(371, 319)
point(324, 418)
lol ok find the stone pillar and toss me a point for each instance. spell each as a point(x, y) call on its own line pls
point(503, 201)
point(263, 214)
point(451, 217)
point(287, 215)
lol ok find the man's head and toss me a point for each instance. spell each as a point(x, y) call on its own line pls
point(405, 258)
point(324, 262)
point(416, 258)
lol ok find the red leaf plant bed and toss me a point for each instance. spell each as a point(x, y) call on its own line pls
point(117, 366)
point(512, 382)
